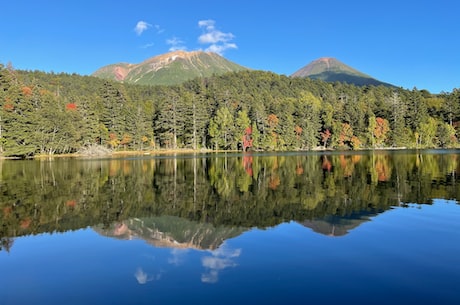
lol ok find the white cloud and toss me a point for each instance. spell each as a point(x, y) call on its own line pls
point(176, 44)
point(219, 49)
point(218, 41)
point(141, 26)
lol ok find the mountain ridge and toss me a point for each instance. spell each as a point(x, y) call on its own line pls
point(179, 66)
point(169, 68)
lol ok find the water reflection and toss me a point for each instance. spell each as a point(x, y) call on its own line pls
point(218, 260)
point(142, 277)
point(232, 229)
point(200, 201)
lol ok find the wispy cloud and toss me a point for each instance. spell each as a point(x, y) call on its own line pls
point(218, 41)
point(141, 26)
point(175, 44)
point(148, 45)
point(159, 29)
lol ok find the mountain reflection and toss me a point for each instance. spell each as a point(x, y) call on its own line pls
point(171, 232)
point(199, 201)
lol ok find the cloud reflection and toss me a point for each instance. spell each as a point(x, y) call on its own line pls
point(177, 256)
point(220, 259)
point(142, 277)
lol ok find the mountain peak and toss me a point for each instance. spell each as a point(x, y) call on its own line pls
point(330, 69)
point(326, 64)
point(169, 68)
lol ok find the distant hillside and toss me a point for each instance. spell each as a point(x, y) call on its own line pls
point(169, 69)
point(332, 70)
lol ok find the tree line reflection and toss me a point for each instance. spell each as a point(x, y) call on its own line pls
point(218, 190)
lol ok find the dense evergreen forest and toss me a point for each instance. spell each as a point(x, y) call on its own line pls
point(49, 113)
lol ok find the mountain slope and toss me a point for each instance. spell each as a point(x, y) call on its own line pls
point(332, 70)
point(169, 69)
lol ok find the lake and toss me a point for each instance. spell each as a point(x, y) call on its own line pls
point(366, 227)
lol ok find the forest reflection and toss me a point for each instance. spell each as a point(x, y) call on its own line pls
point(200, 200)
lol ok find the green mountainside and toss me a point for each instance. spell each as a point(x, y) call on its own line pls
point(332, 70)
point(179, 66)
point(169, 69)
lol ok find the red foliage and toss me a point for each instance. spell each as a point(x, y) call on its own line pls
point(325, 135)
point(247, 164)
point(71, 203)
point(71, 106)
point(247, 138)
point(326, 165)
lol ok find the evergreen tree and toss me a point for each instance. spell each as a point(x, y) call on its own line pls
point(222, 129)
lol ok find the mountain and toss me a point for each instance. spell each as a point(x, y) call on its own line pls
point(332, 70)
point(169, 69)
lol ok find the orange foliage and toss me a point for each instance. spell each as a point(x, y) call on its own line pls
point(127, 169)
point(113, 140)
point(355, 142)
point(273, 120)
point(126, 139)
point(298, 131)
point(8, 106)
point(27, 91)
point(25, 223)
point(381, 129)
point(346, 165)
point(274, 182)
point(382, 169)
point(355, 158)
point(346, 134)
point(299, 170)
point(7, 211)
point(114, 168)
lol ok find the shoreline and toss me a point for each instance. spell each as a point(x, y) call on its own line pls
point(184, 151)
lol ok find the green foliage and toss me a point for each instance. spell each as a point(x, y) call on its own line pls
point(47, 113)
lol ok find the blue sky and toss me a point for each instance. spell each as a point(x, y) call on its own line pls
point(406, 43)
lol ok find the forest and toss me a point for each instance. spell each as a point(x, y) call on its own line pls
point(57, 113)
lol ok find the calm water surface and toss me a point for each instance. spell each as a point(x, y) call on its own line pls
point(297, 228)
